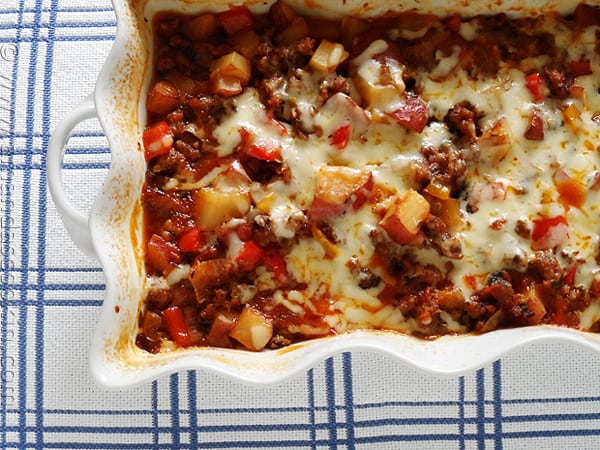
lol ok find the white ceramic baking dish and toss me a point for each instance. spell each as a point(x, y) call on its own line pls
point(112, 232)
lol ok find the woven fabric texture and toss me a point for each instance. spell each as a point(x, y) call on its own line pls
point(542, 396)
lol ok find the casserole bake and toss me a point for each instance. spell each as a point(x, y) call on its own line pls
point(116, 218)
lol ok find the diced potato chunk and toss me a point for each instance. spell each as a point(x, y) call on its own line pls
point(335, 184)
point(340, 110)
point(403, 219)
point(232, 65)
point(328, 56)
point(163, 97)
point(438, 190)
point(229, 74)
point(266, 202)
point(379, 86)
point(185, 84)
point(282, 14)
point(222, 325)
point(203, 26)
point(214, 207)
point(226, 86)
point(376, 94)
point(529, 308)
point(246, 43)
point(298, 29)
point(252, 329)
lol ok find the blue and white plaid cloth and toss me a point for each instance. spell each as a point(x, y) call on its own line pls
point(543, 396)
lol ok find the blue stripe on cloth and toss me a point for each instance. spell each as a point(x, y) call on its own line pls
point(42, 214)
point(23, 376)
point(79, 151)
point(310, 379)
point(59, 303)
point(248, 443)
point(63, 9)
point(331, 403)
point(497, 374)
point(461, 412)
point(155, 415)
point(36, 135)
point(9, 392)
point(40, 166)
point(57, 287)
point(60, 25)
point(551, 400)
point(80, 38)
point(193, 407)
point(175, 425)
point(349, 400)
point(480, 382)
point(109, 444)
point(10, 395)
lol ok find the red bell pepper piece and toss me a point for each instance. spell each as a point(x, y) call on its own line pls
point(161, 252)
point(586, 16)
point(250, 255)
point(549, 232)
point(569, 277)
point(413, 114)
point(275, 263)
point(157, 140)
point(266, 151)
point(191, 240)
point(581, 68)
point(541, 227)
point(236, 19)
point(340, 137)
point(570, 190)
point(534, 82)
point(176, 326)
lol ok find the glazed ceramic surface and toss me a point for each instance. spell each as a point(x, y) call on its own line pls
point(112, 232)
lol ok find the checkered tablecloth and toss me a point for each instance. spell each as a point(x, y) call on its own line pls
point(542, 396)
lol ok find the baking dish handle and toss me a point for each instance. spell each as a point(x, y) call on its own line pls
point(75, 222)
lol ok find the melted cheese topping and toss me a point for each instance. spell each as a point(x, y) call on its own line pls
point(514, 182)
point(334, 145)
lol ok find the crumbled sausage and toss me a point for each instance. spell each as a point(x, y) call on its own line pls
point(558, 83)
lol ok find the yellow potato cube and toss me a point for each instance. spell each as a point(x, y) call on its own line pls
point(335, 184)
point(403, 219)
point(252, 329)
point(203, 26)
point(246, 43)
point(328, 56)
point(214, 207)
point(232, 65)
